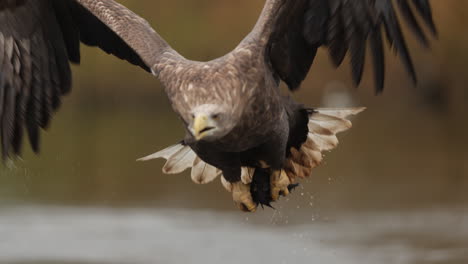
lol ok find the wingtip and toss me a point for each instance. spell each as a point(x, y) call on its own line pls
point(408, 63)
point(358, 110)
point(379, 86)
point(147, 158)
point(434, 30)
point(379, 90)
point(414, 78)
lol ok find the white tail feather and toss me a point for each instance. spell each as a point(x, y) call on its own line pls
point(323, 126)
point(314, 155)
point(203, 173)
point(165, 153)
point(328, 123)
point(179, 161)
point(181, 157)
point(341, 112)
point(324, 142)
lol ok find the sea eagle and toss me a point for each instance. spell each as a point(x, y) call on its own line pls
point(239, 126)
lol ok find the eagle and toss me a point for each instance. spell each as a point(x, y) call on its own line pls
point(239, 126)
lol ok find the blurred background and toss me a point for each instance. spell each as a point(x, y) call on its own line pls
point(395, 191)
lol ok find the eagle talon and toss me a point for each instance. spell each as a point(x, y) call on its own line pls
point(267, 205)
point(279, 184)
point(292, 187)
point(242, 197)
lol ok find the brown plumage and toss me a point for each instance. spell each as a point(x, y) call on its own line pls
point(231, 106)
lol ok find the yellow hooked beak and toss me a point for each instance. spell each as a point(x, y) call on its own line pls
point(201, 126)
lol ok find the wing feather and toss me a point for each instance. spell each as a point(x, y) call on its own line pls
point(335, 38)
point(39, 39)
point(34, 110)
point(345, 27)
point(8, 118)
point(424, 9)
point(378, 57)
point(23, 94)
point(139, 43)
point(413, 24)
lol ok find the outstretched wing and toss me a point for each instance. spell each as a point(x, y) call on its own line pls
point(38, 39)
point(344, 27)
point(140, 41)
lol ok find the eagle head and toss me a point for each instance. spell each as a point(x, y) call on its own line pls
point(210, 122)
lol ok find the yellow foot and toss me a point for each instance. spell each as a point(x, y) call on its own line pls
point(279, 184)
point(242, 197)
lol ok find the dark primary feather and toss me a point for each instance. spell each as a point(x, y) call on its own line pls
point(345, 27)
point(38, 39)
point(290, 54)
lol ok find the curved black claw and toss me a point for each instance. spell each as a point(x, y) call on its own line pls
point(292, 187)
point(267, 205)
